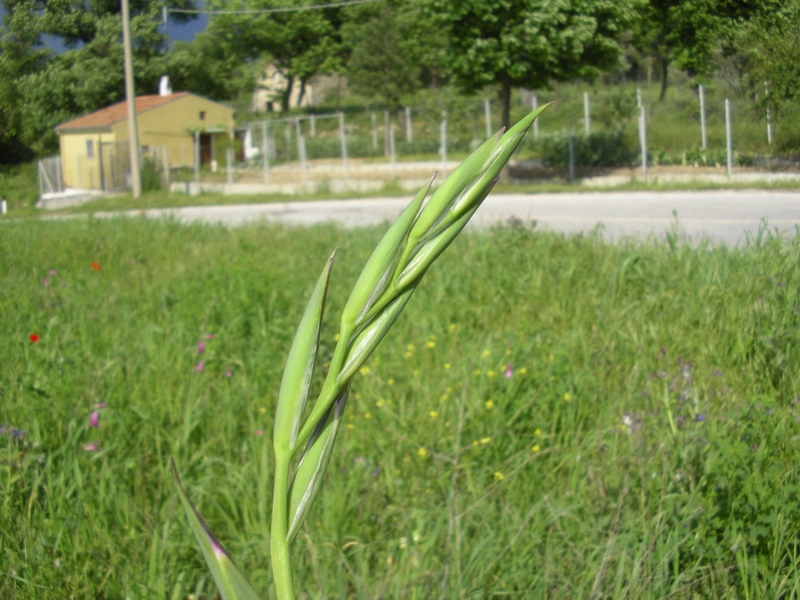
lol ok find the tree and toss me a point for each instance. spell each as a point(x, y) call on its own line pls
point(691, 34)
point(211, 67)
point(392, 49)
point(51, 88)
point(769, 44)
point(529, 43)
point(300, 44)
point(20, 55)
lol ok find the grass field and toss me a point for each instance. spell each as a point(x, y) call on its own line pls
point(552, 418)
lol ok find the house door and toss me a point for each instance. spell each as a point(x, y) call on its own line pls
point(205, 149)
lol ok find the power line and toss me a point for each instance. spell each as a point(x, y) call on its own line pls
point(262, 11)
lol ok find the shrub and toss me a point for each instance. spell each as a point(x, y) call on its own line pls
point(600, 149)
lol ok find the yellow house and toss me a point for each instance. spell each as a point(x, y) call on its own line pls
point(176, 129)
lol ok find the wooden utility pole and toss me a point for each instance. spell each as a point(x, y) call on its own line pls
point(130, 96)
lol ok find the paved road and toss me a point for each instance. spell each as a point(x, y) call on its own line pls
point(722, 216)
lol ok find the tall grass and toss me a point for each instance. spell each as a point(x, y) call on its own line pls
point(643, 445)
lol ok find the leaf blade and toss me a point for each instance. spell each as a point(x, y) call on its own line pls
point(231, 582)
point(299, 368)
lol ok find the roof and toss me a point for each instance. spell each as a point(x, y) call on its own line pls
point(118, 112)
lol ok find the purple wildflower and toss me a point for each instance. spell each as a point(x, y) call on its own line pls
point(700, 418)
point(94, 420)
point(210, 336)
point(201, 347)
point(53, 271)
point(91, 447)
point(200, 366)
point(228, 373)
point(509, 371)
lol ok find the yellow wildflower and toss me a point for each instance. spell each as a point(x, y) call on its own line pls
point(485, 440)
point(537, 431)
point(452, 327)
point(446, 366)
point(499, 476)
point(535, 449)
point(390, 382)
point(489, 404)
point(422, 453)
point(367, 415)
point(430, 344)
point(364, 370)
point(485, 353)
point(433, 414)
point(567, 397)
point(523, 370)
point(490, 373)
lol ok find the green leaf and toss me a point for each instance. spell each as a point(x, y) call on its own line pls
point(375, 276)
point(313, 464)
point(231, 583)
point(300, 367)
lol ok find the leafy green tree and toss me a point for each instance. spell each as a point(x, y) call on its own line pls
point(769, 43)
point(300, 44)
point(690, 34)
point(50, 88)
point(529, 43)
point(392, 50)
point(211, 67)
point(20, 54)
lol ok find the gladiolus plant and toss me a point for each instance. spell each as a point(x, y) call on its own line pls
point(306, 438)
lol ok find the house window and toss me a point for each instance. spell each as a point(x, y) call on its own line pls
point(89, 148)
point(202, 115)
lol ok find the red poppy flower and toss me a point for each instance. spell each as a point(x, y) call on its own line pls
point(33, 338)
point(96, 266)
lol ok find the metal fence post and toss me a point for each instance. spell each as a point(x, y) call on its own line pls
point(571, 153)
point(586, 112)
point(728, 136)
point(703, 136)
point(392, 155)
point(387, 121)
point(197, 156)
point(301, 150)
point(409, 132)
point(643, 139)
point(343, 143)
point(443, 143)
point(373, 122)
point(265, 151)
point(769, 116)
point(166, 165)
point(487, 114)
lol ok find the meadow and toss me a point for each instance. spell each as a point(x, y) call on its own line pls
point(552, 417)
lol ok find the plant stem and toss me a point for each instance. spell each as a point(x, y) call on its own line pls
point(279, 547)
